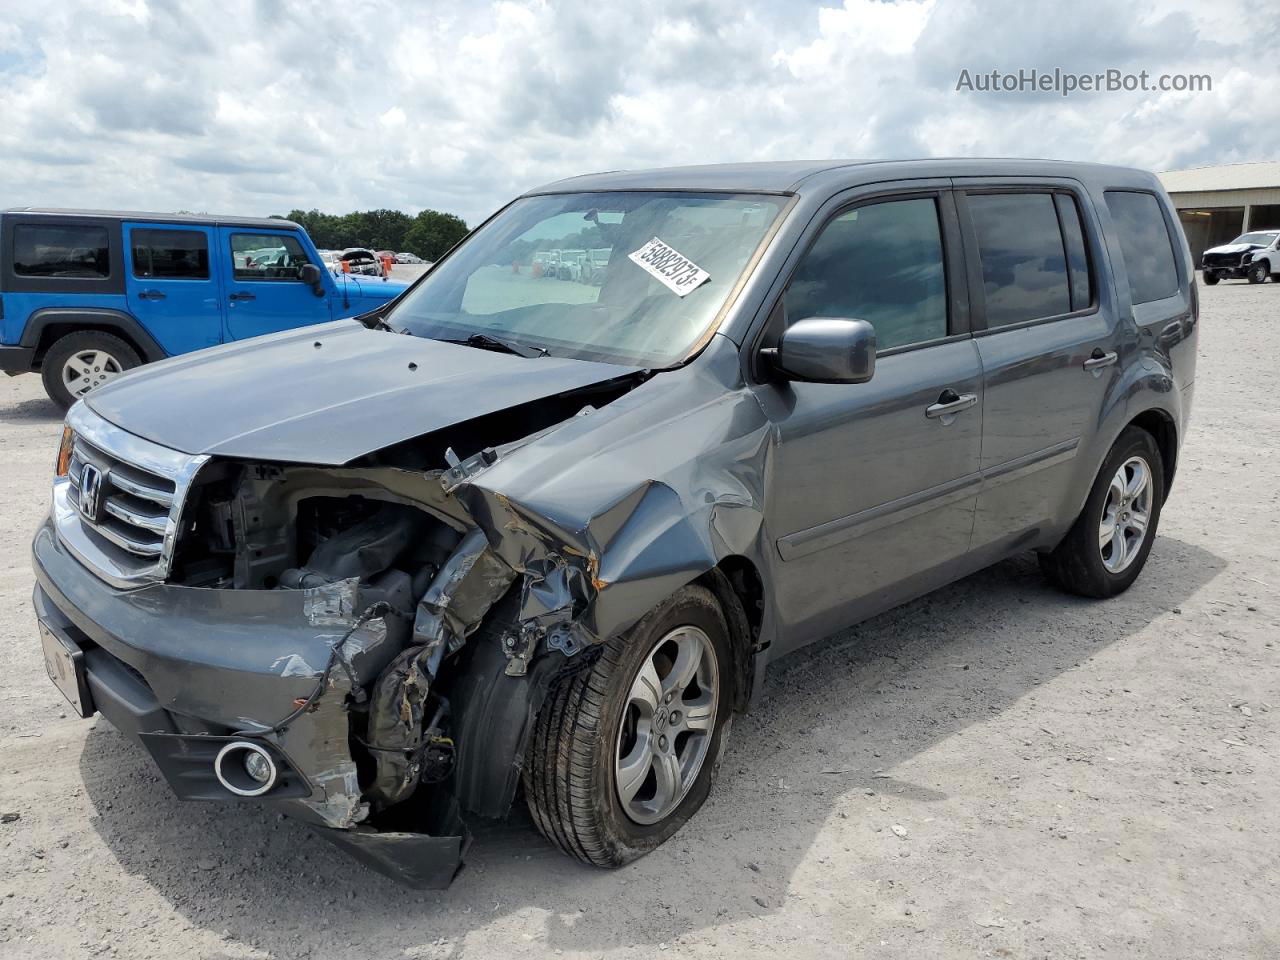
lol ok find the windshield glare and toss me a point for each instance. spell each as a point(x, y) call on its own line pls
point(560, 272)
point(1262, 238)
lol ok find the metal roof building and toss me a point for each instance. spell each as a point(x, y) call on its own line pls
point(1217, 204)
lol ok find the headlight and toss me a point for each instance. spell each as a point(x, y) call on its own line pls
point(64, 452)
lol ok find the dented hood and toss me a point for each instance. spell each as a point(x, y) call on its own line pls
point(327, 394)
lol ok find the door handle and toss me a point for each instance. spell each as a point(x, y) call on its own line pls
point(1099, 359)
point(243, 296)
point(949, 404)
point(150, 295)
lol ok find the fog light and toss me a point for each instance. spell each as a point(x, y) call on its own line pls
point(258, 767)
point(245, 768)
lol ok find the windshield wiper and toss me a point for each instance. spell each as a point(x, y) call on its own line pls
point(486, 341)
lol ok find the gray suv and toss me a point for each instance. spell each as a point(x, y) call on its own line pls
point(519, 533)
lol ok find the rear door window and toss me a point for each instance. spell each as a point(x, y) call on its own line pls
point(1024, 264)
point(68, 252)
point(1146, 244)
point(170, 254)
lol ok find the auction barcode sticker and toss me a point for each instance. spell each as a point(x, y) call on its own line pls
point(677, 272)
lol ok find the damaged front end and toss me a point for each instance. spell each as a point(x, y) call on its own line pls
point(376, 637)
point(311, 627)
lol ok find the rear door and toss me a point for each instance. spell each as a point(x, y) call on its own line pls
point(172, 284)
point(263, 292)
point(1050, 341)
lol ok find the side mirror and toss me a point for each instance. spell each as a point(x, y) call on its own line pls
point(826, 350)
point(309, 273)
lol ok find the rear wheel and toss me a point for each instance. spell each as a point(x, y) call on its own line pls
point(1108, 544)
point(1259, 272)
point(626, 749)
point(79, 362)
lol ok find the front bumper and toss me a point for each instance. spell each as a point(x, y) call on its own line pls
point(183, 669)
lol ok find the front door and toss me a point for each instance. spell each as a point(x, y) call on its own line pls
point(872, 496)
point(172, 284)
point(263, 292)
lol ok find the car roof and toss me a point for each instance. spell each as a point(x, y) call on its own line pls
point(803, 176)
point(216, 220)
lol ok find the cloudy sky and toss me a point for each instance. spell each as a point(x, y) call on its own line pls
point(252, 108)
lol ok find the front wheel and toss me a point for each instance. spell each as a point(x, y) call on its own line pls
point(625, 750)
point(1259, 272)
point(1211, 278)
point(1107, 546)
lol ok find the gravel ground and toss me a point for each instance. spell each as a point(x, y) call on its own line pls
point(995, 770)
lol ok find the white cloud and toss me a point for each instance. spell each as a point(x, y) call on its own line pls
point(256, 108)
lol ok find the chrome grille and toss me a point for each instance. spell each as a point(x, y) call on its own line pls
point(119, 505)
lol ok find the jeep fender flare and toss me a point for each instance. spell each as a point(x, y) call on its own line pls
point(89, 318)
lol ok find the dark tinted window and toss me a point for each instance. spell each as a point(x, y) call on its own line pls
point(1145, 243)
point(881, 263)
point(170, 254)
point(1024, 268)
point(1077, 257)
point(60, 251)
point(266, 256)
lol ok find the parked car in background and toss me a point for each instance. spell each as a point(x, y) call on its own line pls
point(86, 295)
point(360, 260)
point(509, 531)
point(1253, 256)
point(408, 258)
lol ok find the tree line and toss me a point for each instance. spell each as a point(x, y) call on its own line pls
point(428, 235)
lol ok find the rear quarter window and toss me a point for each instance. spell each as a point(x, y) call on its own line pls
point(1146, 244)
point(64, 252)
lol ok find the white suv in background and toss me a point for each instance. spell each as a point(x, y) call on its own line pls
point(1252, 256)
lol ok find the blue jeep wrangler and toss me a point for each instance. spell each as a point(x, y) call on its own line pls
point(85, 295)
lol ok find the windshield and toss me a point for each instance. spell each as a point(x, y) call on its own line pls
point(1260, 238)
point(634, 278)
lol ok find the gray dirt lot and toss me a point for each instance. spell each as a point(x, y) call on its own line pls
point(1071, 778)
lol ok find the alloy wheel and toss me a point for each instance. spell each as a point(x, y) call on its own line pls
point(667, 725)
point(88, 369)
point(1126, 514)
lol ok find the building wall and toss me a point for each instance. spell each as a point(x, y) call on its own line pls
point(1214, 217)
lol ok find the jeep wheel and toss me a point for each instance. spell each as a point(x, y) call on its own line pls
point(1108, 545)
point(1259, 272)
point(1211, 278)
point(626, 748)
point(78, 362)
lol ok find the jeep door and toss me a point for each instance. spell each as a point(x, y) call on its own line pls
point(171, 284)
point(873, 488)
point(263, 291)
point(1051, 343)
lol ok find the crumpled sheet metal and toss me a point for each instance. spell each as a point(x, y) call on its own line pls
point(467, 585)
point(598, 547)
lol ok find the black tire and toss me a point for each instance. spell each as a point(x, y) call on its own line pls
point(1076, 564)
point(1211, 278)
point(66, 347)
point(1259, 272)
point(569, 772)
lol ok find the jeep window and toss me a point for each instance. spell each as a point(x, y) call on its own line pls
point(1024, 267)
point(170, 254)
point(1145, 243)
point(61, 251)
point(266, 257)
point(881, 263)
point(557, 272)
